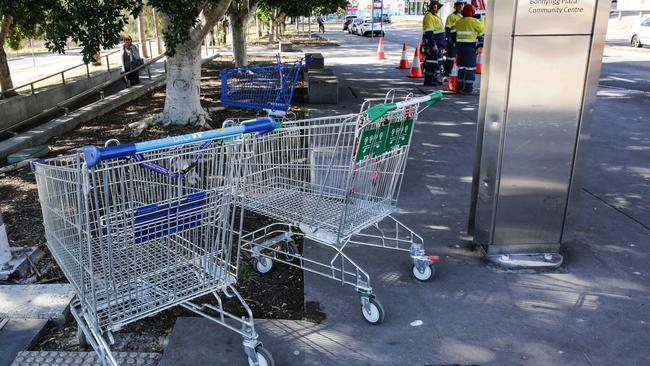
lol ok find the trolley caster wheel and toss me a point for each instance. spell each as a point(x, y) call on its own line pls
point(374, 312)
point(263, 265)
point(426, 273)
point(81, 338)
point(264, 357)
point(291, 250)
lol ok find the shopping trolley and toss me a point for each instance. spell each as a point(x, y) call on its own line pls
point(267, 87)
point(139, 228)
point(335, 181)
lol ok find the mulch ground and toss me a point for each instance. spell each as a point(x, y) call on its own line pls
point(278, 294)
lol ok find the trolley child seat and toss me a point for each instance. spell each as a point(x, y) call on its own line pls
point(139, 228)
point(335, 181)
point(266, 87)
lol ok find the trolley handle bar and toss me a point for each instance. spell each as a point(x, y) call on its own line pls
point(94, 154)
point(377, 111)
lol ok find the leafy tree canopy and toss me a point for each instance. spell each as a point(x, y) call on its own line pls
point(28, 18)
point(97, 24)
point(93, 24)
point(295, 8)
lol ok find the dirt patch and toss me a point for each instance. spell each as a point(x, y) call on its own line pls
point(298, 40)
point(278, 294)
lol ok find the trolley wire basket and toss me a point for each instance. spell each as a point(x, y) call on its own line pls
point(266, 87)
point(139, 228)
point(335, 180)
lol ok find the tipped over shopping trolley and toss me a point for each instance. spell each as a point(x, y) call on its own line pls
point(139, 228)
point(267, 87)
point(335, 181)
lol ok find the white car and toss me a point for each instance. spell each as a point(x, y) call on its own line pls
point(352, 28)
point(641, 33)
point(367, 28)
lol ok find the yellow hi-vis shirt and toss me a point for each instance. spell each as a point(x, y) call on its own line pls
point(468, 29)
point(452, 19)
point(432, 22)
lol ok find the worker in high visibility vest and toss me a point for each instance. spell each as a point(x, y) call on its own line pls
point(433, 42)
point(468, 29)
point(450, 33)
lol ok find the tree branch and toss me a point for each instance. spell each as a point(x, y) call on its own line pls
point(208, 18)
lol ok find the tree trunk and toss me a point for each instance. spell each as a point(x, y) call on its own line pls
point(238, 23)
point(183, 98)
point(5, 75)
point(141, 37)
point(182, 101)
point(157, 31)
point(238, 16)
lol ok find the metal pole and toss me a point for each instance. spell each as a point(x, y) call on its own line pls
point(381, 19)
point(31, 45)
point(5, 252)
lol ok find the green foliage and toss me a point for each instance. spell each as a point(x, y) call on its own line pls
point(247, 274)
point(305, 7)
point(28, 18)
point(183, 16)
point(93, 24)
point(263, 12)
point(96, 24)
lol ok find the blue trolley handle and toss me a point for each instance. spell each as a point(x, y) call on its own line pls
point(94, 154)
point(164, 171)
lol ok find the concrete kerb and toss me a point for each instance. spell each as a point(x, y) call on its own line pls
point(48, 302)
point(58, 126)
point(323, 87)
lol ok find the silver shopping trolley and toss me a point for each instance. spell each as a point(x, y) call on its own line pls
point(140, 228)
point(335, 181)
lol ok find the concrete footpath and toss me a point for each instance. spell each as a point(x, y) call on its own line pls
point(592, 311)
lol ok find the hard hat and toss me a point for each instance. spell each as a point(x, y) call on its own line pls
point(436, 3)
point(468, 10)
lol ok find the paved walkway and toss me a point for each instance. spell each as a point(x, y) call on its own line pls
point(592, 311)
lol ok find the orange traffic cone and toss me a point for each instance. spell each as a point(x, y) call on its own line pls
point(421, 55)
point(380, 50)
point(416, 70)
point(403, 62)
point(452, 82)
point(479, 61)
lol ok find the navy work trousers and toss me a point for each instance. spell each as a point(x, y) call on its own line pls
point(466, 66)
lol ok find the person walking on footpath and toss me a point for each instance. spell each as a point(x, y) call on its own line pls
point(433, 42)
point(321, 23)
point(468, 29)
point(450, 33)
point(131, 60)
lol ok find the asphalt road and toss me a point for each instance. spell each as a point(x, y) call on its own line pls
point(623, 66)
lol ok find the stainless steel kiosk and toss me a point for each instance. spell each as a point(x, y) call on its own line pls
point(541, 69)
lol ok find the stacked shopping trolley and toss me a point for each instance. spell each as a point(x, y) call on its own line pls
point(139, 228)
